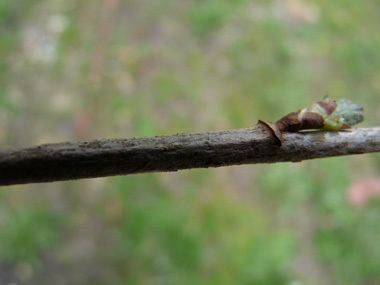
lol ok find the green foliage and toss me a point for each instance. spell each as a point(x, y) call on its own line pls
point(26, 232)
point(173, 239)
point(10, 19)
point(361, 57)
point(4, 100)
point(209, 15)
point(352, 246)
point(346, 239)
point(168, 87)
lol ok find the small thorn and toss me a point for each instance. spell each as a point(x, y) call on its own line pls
point(275, 130)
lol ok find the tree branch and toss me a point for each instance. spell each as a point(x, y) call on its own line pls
point(107, 157)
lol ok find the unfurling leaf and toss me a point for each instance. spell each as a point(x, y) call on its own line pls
point(329, 115)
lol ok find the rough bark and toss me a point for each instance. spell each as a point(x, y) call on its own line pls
point(107, 157)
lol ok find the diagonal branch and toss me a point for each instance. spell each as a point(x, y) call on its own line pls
point(107, 157)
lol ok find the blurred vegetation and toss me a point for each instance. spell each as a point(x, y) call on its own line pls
point(26, 232)
point(78, 70)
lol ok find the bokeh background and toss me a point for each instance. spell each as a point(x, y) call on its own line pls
point(79, 70)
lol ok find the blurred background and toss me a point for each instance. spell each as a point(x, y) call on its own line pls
point(80, 70)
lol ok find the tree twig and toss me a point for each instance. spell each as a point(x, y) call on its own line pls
point(107, 157)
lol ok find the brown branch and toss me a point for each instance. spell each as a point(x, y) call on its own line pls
point(107, 157)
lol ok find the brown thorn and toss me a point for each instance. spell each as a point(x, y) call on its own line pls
point(275, 130)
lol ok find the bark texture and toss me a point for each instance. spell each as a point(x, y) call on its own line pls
point(107, 157)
